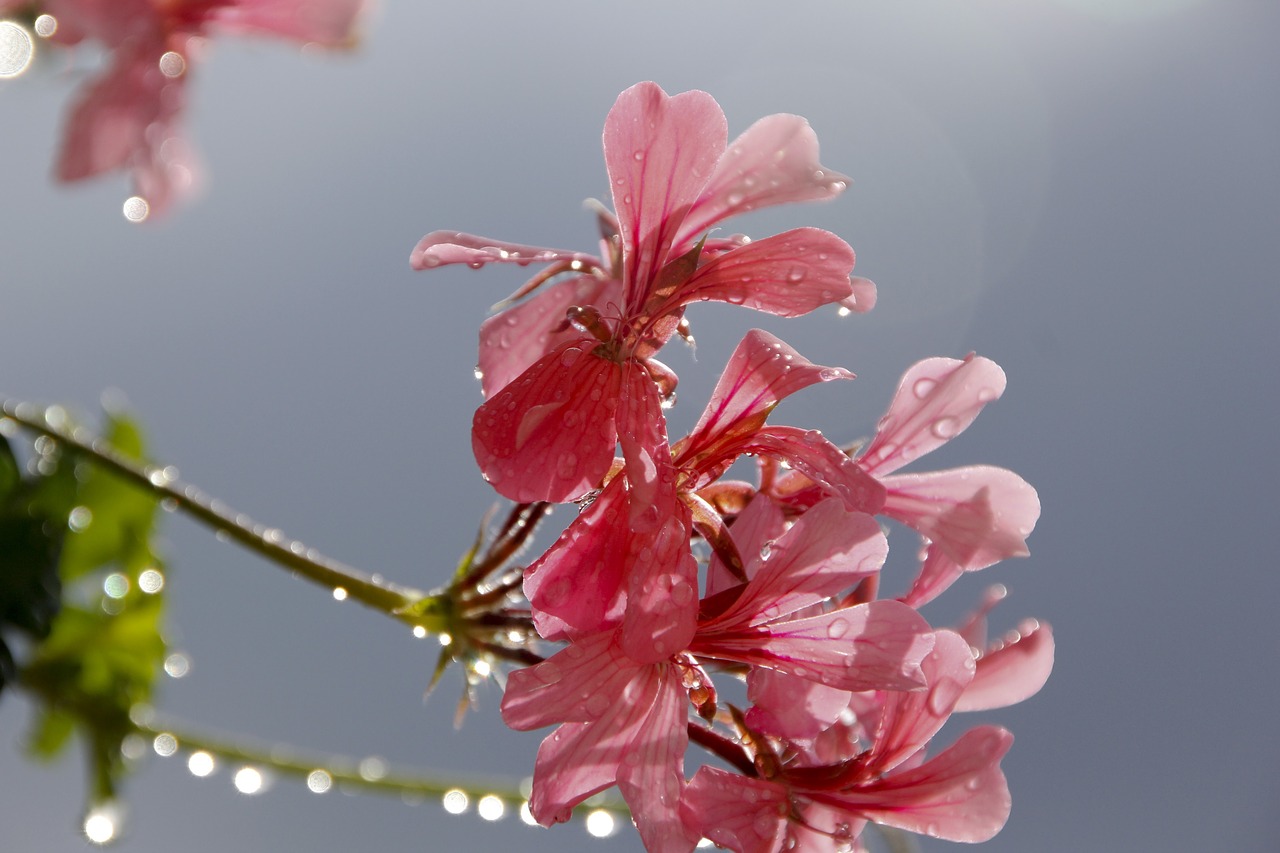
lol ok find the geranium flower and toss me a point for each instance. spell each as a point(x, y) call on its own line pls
point(129, 116)
point(558, 372)
point(812, 804)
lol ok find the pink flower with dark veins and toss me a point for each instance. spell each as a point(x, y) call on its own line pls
point(561, 371)
point(129, 116)
point(610, 567)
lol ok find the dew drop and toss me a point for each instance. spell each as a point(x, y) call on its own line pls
point(924, 387)
point(796, 275)
point(838, 628)
point(945, 427)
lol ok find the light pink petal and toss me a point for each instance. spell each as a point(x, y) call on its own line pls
point(863, 298)
point(875, 646)
point(441, 248)
point(1014, 670)
point(810, 453)
point(651, 777)
point(978, 515)
point(825, 552)
point(775, 161)
point(642, 433)
point(909, 720)
point(762, 371)
point(959, 795)
point(936, 401)
point(659, 151)
point(578, 580)
point(762, 521)
point(662, 591)
point(786, 706)
point(737, 813)
point(550, 435)
point(937, 573)
point(788, 274)
point(514, 339)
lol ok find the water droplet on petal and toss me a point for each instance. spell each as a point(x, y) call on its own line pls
point(838, 628)
point(924, 387)
point(945, 427)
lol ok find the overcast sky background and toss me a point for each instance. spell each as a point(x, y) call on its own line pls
point(1086, 192)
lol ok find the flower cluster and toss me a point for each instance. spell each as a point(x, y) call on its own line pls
point(672, 578)
point(129, 117)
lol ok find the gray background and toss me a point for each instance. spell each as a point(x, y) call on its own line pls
point(1085, 192)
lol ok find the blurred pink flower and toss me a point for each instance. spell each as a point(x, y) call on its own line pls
point(129, 116)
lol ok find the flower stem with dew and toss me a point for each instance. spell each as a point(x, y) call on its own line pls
point(370, 774)
point(404, 603)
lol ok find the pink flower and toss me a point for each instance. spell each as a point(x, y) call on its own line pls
point(609, 566)
point(563, 372)
point(959, 794)
point(129, 117)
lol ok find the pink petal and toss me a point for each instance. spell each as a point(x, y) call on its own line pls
point(327, 22)
point(959, 795)
point(875, 646)
point(788, 274)
point(825, 552)
point(863, 298)
point(579, 683)
point(737, 813)
point(762, 371)
point(936, 401)
point(441, 248)
point(550, 435)
point(642, 433)
point(662, 592)
point(909, 720)
point(579, 578)
point(937, 573)
point(1014, 670)
point(651, 778)
point(762, 521)
point(775, 161)
point(978, 515)
point(659, 151)
point(514, 339)
point(786, 706)
point(812, 455)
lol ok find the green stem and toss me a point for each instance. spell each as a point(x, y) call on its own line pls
point(404, 603)
point(344, 769)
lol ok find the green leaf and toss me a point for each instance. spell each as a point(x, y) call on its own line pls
point(50, 733)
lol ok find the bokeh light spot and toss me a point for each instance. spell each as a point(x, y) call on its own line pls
point(248, 780)
point(16, 49)
point(456, 801)
point(601, 824)
point(150, 581)
point(490, 807)
point(201, 764)
point(101, 824)
point(177, 665)
point(136, 208)
point(319, 781)
point(165, 744)
point(172, 64)
point(46, 25)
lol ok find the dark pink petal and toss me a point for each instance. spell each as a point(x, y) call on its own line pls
point(909, 720)
point(1014, 670)
point(936, 401)
point(642, 433)
point(579, 579)
point(959, 795)
point(825, 552)
point(514, 339)
point(327, 22)
point(441, 248)
point(786, 706)
point(937, 573)
point(875, 646)
point(550, 435)
point(737, 813)
point(659, 151)
point(775, 161)
point(812, 455)
point(762, 371)
point(788, 274)
point(978, 515)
